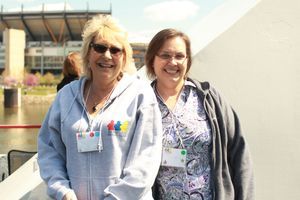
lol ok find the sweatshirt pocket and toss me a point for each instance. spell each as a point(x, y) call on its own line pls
point(91, 188)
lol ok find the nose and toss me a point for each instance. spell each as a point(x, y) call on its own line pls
point(173, 60)
point(107, 54)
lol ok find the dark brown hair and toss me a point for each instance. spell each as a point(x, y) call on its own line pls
point(156, 44)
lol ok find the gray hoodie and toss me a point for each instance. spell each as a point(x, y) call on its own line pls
point(231, 160)
point(130, 126)
point(232, 168)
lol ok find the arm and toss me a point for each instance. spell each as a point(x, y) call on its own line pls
point(238, 156)
point(233, 151)
point(240, 161)
point(51, 155)
point(143, 159)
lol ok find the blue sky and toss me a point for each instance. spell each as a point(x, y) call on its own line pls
point(141, 18)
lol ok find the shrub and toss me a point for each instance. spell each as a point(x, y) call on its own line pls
point(48, 79)
point(31, 80)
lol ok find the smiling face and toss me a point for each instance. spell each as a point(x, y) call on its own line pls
point(170, 63)
point(106, 65)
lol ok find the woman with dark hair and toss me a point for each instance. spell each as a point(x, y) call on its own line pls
point(71, 69)
point(205, 155)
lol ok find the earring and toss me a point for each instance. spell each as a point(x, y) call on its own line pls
point(120, 76)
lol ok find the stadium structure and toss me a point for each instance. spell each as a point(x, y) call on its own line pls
point(50, 36)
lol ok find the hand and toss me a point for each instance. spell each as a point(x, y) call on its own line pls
point(70, 196)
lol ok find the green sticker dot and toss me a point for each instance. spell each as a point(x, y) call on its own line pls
point(183, 152)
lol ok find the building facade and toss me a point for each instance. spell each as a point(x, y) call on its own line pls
point(51, 35)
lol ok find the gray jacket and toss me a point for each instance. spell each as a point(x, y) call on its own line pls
point(130, 125)
point(231, 162)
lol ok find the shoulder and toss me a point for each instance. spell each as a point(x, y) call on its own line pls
point(142, 90)
point(138, 83)
point(207, 91)
point(200, 85)
point(203, 88)
point(69, 91)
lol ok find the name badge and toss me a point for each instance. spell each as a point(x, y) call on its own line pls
point(172, 157)
point(89, 141)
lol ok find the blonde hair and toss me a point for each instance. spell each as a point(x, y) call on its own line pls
point(106, 27)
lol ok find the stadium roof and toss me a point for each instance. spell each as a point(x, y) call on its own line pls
point(55, 26)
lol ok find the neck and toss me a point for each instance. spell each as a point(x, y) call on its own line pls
point(101, 90)
point(169, 90)
point(98, 95)
point(169, 94)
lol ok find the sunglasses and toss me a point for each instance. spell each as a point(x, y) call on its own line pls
point(100, 48)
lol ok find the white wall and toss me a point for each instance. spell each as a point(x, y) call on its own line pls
point(256, 65)
point(14, 41)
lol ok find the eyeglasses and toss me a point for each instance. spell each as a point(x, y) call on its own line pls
point(179, 57)
point(100, 48)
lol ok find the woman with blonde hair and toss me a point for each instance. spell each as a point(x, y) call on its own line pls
point(101, 136)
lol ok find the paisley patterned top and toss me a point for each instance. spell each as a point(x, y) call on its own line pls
point(190, 122)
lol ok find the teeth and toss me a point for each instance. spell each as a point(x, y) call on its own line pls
point(103, 65)
point(171, 71)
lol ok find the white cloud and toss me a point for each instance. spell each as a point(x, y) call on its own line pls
point(47, 7)
point(171, 10)
point(25, 1)
point(141, 36)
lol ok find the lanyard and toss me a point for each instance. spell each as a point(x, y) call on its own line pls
point(173, 117)
point(174, 125)
point(90, 121)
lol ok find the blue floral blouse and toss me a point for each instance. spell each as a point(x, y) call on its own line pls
point(189, 120)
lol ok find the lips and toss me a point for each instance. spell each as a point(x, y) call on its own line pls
point(105, 65)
